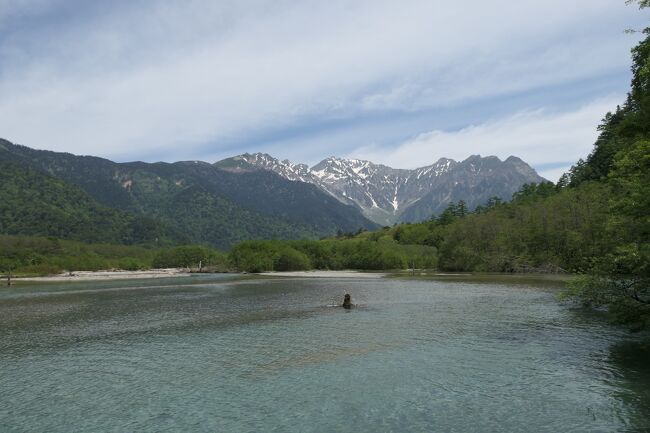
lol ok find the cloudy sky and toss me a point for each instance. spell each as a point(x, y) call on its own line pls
point(398, 82)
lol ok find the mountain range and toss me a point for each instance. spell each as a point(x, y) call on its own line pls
point(387, 195)
point(249, 196)
point(182, 202)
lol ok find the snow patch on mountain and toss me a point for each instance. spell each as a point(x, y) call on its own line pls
point(385, 194)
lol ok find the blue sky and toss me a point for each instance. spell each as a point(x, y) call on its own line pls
point(400, 83)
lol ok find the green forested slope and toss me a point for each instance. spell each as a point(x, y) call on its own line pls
point(199, 201)
point(208, 218)
point(32, 203)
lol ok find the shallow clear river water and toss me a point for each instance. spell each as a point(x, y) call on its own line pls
point(229, 354)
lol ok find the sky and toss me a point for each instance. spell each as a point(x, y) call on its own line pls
point(402, 83)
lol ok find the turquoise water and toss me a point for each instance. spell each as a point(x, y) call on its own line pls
point(227, 354)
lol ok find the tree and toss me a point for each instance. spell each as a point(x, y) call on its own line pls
point(187, 257)
point(448, 215)
point(461, 209)
point(290, 259)
point(7, 266)
point(642, 3)
point(620, 278)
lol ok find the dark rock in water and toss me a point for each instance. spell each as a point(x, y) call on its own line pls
point(347, 301)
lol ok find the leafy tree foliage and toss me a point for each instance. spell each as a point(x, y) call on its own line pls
point(38, 255)
point(452, 212)
point(30, 255)
point(361, 252)
point(191, 256)
point(642, 3)
point(620, 276)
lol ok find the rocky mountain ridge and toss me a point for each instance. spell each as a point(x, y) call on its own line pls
point(387, 195)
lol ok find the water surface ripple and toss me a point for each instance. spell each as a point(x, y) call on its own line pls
point(222, 353)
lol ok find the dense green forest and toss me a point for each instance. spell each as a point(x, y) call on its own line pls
point(37, 204)
point(159, 203)
point(360, 252)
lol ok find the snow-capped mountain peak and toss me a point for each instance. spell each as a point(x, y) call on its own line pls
point(387, 195)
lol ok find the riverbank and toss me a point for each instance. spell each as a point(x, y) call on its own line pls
point(107, 275)
point(182, 272)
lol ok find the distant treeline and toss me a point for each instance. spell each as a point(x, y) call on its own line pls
point(342, 253)
point(23, 255)
point(545, 228)
point(27, 255)
point(40, 256)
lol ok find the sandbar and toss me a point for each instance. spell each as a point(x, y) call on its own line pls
point(108, 275)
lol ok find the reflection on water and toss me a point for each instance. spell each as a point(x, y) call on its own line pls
point(632, 361)
point(223, 353)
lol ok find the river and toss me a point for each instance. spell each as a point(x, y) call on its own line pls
point(227, 353)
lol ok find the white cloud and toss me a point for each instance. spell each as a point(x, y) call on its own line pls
point(153, 77)
point(538, 137)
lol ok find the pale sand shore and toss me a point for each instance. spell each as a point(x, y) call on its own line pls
point(173, 272)
point(326, 274)
point(108, 275)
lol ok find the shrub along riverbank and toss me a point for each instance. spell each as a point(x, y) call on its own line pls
point(26, 255)
point(23, 255)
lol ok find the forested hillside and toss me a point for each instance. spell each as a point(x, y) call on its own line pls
point(36, 204)
point(193, 201)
